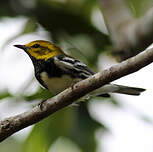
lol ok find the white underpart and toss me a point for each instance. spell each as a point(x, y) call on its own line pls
point(57, 85)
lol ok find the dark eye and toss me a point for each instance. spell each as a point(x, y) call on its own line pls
point(36, 46)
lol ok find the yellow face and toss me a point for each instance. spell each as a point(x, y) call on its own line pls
point(41, 49)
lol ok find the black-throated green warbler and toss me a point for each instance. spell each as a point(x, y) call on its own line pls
point(57, 71)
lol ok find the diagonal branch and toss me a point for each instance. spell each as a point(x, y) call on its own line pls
point(130, 36)
point(13, 124)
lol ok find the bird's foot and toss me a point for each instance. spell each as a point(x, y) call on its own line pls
point(40, 105)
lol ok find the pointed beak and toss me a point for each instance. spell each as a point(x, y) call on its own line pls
point(23, 47)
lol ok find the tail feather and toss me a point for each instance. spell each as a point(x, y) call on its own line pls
point(114, 88)
point(129, 90)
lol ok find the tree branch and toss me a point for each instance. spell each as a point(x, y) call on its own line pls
point(67, 97)
point(130, 36)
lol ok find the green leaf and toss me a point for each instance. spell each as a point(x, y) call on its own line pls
point(139, 7)
point(30, 26)
point(5, 94)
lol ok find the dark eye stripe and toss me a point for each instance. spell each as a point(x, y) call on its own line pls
point(36, 46)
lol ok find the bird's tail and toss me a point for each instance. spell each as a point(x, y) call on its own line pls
point(114, 88)
point(128, 90)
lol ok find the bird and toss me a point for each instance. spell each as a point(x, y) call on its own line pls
point(56, 71)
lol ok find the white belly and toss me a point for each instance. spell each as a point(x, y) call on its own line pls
point(56, 85)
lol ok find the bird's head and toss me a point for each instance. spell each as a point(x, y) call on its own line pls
point(40, 49)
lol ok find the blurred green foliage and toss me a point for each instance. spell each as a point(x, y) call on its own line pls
point(139, 7)
point(42, 94)
point(5, 94)
point(72, 122)
point(9, 144)
point(68, 23)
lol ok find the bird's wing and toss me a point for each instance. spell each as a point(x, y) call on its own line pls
point(73, 66)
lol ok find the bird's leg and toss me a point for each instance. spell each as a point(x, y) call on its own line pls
point(73, 84)
point(40, 105)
